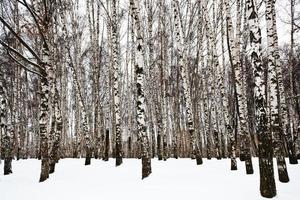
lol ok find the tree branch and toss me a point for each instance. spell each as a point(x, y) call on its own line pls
point(20, 39)
point(20, 55)
point(106, 11)
point(36, 22)
point(23, 66)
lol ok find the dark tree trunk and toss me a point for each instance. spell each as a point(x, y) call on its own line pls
point(7, 165)
point(88, 156)
point(159, 150)
point(106, 148)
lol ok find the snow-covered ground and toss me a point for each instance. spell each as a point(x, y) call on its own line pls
point(170, 180)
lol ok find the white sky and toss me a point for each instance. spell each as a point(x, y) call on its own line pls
point(283, 15)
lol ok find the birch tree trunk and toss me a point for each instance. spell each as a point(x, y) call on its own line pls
point(232, 57)
point(47, 83)
point(44, 113)
point(88, 147)
point(267, 182)
point(159, 92)
point(292, 140)
point(54, 153)
point(241, 96)
point(5, 133)
point(141, 106)
point(275, 122)
point(117, 117)
point(184, 75)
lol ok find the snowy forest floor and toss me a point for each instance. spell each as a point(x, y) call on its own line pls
point(172, 179)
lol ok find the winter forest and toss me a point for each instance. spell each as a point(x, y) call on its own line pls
point(212, 81)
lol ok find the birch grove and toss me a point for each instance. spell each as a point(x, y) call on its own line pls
point(150, 79)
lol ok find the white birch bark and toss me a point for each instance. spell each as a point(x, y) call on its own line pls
point(84, 115)
point(234, 43)
point(116, 84)
point(141, 106)
point(5, 133)
point(267, 182)
point(184, 75)
point(275, 122)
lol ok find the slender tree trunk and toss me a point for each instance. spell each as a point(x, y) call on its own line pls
point(141, 106)
point(106, 146)
point(88, 147)
point(44, 116)
point(232, 57)
point(275, 123)
point(267, 182)
point(115, 56)
point(5, 131)
point(54, 154)
point(291, 106)
point(185, 76)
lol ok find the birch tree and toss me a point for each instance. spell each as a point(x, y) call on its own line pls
point(116, 84)
point(184, 75)
point(267, 182)
point(232, 58)
point(141, 106)
point(5, 133)
point(275, 122)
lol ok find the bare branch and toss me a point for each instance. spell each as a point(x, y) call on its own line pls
point(36, 22)
point(23, 66)
point(106, 11)
point(20, 55)
point(20, 39)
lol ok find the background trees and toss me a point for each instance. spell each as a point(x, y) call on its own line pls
point(148, 78)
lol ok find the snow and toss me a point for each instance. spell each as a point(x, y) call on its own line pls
point(171, 179)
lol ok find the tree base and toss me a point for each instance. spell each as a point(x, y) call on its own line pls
point(146, 167)
point(283, 177)
point(51, 168)
point(105, 159)
point(293, 160)
point(282, 170)
point(199, 161)
point(7, 166)
point(233, 164)
point(88, 156)
point(242, 156)
point(267, 181)
point(44, 169)
point(249, 166)
point(119, 161)
point(87, 161)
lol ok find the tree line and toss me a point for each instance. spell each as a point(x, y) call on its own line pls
point(147, 78)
